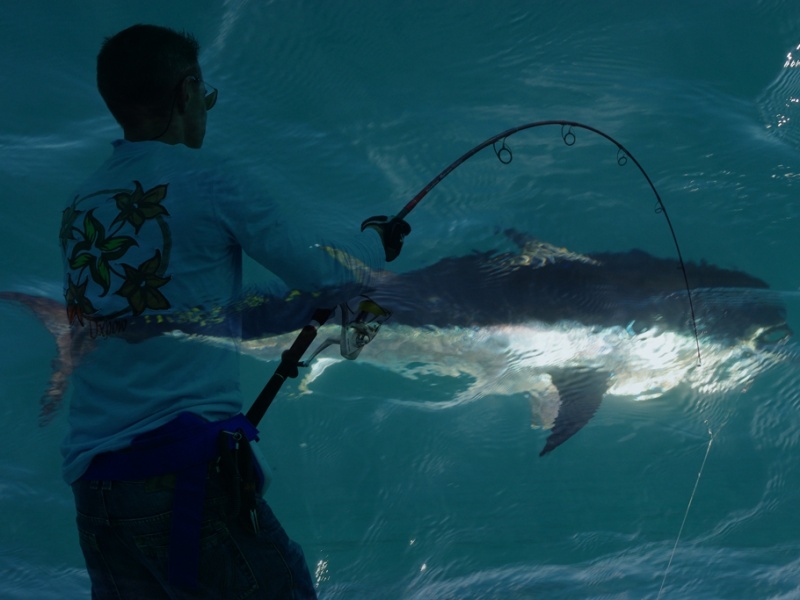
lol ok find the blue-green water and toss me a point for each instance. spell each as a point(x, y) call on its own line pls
point(359, 104)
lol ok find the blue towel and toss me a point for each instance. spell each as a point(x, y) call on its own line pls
point(184, 447)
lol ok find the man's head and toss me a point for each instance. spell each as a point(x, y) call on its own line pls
point(151, 81)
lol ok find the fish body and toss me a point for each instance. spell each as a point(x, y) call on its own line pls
point(563, 328)
point(568, 330)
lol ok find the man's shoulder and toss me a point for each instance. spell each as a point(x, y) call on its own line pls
point(195, 172)
point(168, 153)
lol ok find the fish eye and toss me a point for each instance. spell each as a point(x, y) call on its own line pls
point(773, 335)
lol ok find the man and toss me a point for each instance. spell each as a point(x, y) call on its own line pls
point(167, 492)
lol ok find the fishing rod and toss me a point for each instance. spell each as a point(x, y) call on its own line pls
point(290, 361)
point(396, 227)
point(358, 328)
point(393, 230)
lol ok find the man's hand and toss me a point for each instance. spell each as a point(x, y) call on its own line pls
point(392, 231)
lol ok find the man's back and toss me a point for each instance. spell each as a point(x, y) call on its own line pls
point(143, 237)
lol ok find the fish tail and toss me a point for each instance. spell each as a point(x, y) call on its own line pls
point(52, 315)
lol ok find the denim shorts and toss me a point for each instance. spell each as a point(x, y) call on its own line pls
point(124, 529)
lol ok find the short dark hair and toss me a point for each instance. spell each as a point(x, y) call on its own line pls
point(139, 68)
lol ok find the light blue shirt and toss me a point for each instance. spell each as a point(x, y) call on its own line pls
point(160, 229)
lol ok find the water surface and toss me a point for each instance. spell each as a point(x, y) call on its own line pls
point(357, 106)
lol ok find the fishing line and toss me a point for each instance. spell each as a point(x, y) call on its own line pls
point(686, 513)
point(505, 156)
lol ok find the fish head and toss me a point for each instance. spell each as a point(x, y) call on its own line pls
point(752, 317)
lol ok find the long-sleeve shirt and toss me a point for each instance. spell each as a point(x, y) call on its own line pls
point(159, 230)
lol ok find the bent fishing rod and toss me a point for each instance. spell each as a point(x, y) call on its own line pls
point(505, 156)
point(393, 230)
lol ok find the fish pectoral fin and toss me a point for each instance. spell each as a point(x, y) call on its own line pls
point(580, 391)
point(318, 367)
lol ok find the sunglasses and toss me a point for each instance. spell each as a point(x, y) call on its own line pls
point(209, 97)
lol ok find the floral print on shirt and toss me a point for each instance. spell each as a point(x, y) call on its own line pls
point(98, 254)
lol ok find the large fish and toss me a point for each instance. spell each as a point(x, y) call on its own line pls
point(566, 329)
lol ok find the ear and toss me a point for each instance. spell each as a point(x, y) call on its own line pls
point(184, 91)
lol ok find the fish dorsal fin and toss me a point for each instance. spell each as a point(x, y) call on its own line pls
point(537, 253)
point(580, 391)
